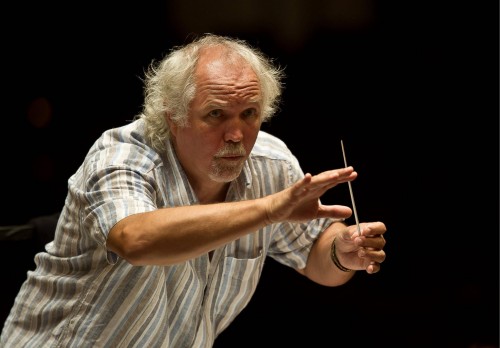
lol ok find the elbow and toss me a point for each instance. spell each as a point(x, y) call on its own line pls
point(134, 255)
point(129, 245)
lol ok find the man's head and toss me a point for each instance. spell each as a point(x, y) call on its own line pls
point(223, 120)
point(170, 84)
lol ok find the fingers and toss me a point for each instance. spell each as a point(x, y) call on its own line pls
point(334, 211)
point(301, 187)
point(331, 178)
point(320, 183)
point(372, 243)
point(377, 256)
point(373, 268)
point(373, 258)
point(372, 229)
point(365, 252)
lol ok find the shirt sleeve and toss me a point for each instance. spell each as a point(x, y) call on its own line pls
point(112, 194)
point(292, 242)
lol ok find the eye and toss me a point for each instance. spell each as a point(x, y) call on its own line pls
point(250, 112)
point(216, 113)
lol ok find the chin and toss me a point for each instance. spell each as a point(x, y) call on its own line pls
point(223, 178)
point(227, 175)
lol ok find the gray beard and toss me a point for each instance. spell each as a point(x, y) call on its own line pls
point(225, 173)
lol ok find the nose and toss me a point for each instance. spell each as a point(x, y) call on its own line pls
point(234, 130)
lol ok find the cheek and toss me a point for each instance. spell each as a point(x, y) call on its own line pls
point(200, 145)
point(249, 140)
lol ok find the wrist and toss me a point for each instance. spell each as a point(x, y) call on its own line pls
point(335, 259)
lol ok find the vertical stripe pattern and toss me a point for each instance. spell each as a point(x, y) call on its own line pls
point(82, 295)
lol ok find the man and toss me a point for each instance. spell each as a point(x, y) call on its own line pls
point(168, 221)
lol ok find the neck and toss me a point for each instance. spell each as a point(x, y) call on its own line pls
point(212, 193)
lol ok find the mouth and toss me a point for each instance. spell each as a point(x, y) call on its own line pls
point(231, 157)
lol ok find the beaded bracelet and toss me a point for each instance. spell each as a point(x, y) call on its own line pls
point(335, 259)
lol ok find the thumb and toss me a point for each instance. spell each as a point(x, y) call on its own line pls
point(334, 211)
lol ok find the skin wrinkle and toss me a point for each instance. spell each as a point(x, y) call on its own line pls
point(222, 77)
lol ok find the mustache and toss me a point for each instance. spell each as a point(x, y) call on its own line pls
point(231, 150)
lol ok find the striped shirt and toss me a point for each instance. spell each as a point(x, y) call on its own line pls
point(82, 295)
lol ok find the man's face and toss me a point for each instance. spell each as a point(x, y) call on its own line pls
point(224, 120)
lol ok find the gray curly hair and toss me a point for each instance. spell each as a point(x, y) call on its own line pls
point(169, 85)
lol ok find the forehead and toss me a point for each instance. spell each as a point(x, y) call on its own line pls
point(220, 72)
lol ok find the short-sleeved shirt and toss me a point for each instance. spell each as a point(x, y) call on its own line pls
point(83, 295)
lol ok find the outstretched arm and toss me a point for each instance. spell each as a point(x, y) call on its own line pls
point(171, 235)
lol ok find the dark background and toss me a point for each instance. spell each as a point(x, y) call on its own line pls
point(410, 87)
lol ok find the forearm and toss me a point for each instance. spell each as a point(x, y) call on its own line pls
point(172, 235)
point(320, 267)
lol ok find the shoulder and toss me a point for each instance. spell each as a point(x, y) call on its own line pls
point(123, 146)
point(272, 160)
point(272, 147)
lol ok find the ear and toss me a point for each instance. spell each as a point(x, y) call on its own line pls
point(171, 124)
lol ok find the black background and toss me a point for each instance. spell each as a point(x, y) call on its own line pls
point(410, 87)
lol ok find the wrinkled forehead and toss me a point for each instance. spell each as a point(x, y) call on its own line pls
point(224, 77)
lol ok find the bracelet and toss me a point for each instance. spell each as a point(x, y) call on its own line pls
point(335, 259)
